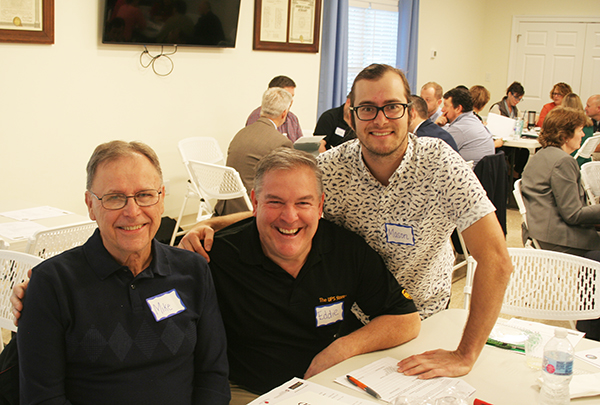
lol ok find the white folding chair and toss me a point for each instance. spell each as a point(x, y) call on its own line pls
point(588, 147)
point(13, 270)
point(590, 179)
point(549, 285)
point(218, 182)
point(52, 241)
point(200, 149)
point(521, 204)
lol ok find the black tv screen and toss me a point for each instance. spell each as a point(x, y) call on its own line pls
point(171, 22)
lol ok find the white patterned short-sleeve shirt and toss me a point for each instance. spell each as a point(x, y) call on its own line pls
point(408, 222)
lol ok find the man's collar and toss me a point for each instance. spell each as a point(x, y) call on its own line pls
point(103, 264)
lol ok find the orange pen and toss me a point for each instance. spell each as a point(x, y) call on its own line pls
point(363, 387)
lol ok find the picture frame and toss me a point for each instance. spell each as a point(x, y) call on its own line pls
point(45, 35)
point(287, 25)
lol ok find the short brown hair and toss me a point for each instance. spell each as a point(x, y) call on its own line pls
point(376, 71)
point(113, 150)
point(480, 96)
point(562, 88)
point(559, 126)
point(438, 91)
point(286, 159)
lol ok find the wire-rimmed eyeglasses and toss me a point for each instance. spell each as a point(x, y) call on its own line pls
point(116, 201)
point(391, 111)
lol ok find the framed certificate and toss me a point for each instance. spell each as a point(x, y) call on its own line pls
point(287, 25)
point(27, 21)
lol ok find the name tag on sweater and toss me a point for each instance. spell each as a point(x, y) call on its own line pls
point(165, 305)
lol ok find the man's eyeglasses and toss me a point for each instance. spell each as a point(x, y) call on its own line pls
point(556, 94)
point(116, 201)
point(392, 111)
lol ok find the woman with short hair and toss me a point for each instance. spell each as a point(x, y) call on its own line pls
point(557, 94)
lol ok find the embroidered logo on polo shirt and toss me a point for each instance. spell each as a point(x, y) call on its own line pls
point(406, 294)
point(165, 305)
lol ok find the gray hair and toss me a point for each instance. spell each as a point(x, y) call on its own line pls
point(113, 150)
point(286, 159)
point(274, 102)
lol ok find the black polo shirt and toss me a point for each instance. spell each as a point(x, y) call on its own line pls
point(276, 324)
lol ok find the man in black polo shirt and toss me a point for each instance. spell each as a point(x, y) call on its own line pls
point(286, 281)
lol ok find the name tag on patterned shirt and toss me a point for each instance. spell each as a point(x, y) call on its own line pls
point(165, 305)
point(328, 314)
point(400, 234)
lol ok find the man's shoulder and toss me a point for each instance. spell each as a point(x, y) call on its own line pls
point(341, 157)
point(254, 115)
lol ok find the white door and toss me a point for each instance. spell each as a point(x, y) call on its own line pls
point(548, 53)
point(590, 78)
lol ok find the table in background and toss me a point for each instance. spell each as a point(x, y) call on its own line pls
point(500, 377)
point(524, 143)
point(14, 205)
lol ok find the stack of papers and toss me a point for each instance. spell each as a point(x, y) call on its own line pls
point(24, 228)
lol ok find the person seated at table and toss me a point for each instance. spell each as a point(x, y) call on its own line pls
point(420, 125)
point(123, 319)
point(335, 125)
point(557, 212)
point(480, 96)
point(472, 137)
point(558, 92)
point(286, 281)
point(572, 100)
point(507, 107)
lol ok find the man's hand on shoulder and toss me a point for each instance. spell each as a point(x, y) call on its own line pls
point(193, 240)
point(17, 297)
point(436, 363)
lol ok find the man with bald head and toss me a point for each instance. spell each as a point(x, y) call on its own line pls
point(592, 110)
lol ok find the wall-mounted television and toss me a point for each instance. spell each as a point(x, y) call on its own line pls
point(206, 23)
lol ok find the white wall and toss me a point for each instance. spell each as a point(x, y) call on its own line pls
point(472, 38)
point(59, 101)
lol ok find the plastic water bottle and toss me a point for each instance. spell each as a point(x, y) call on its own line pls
point(518, 128)
point(557, 369)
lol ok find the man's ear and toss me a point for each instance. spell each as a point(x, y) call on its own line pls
point(89, 204)
point(352, 122)
point(254, 199)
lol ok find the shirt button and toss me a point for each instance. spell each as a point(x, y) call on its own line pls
point(133, 286)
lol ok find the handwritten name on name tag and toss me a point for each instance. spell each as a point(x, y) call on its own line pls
point(328, 314)
point(165, 305)
point(400, 234)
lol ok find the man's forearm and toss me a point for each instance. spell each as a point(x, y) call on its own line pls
point(220, 222)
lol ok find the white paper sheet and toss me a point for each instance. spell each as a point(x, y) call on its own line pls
point(546, 331)
point(20, 230)
point(33, 214)
point(592, 356)
point(500, 126)
point(301, 391)
point(382, 376)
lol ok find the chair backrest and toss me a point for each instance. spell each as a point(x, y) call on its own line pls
point(492, 174)
point(13, 270)
point(548, 285)
point(589, 146)
point(590, 178)
point(216, 181)
point(552, 285)
point(201, 149)
point(3, 244)
point(52, 241)
point(521, 204)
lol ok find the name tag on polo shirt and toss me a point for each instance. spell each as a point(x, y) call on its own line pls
point(165, 305)
point(330, 313)
point(399, 234)
point(340, 131)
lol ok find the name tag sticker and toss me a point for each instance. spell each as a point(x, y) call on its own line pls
point(399, 234)
point(340, 131)
point(165, 305)
point(328, 314)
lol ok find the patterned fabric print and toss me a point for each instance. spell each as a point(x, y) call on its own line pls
point(432, 192)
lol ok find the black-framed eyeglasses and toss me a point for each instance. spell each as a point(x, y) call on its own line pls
point(391, 111)
point(116, 201)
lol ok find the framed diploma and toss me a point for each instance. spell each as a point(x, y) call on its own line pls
point(27, 21)
point(287, 25)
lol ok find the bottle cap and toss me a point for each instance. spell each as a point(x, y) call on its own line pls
point(560, 332)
